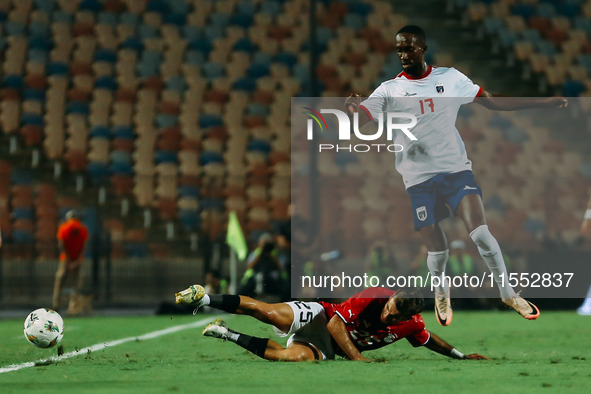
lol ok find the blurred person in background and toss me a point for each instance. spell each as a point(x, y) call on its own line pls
point(264, 274)
point(585, 309)
point(72, 236)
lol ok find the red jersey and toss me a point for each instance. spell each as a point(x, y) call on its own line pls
point(361, 315)
point(74, 235)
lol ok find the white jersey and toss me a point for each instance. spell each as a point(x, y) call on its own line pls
point(435, 99)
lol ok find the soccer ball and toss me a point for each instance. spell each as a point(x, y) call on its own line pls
point(44, 328)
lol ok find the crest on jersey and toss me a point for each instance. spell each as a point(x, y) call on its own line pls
point(422, 213)
point(439, 88)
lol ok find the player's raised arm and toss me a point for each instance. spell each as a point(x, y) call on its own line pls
point(491, 102)
point(337, 329)
point(438, 345)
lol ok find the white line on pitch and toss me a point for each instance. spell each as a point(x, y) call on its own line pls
point(101, 346)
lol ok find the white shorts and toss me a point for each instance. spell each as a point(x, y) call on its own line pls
point(309, 326)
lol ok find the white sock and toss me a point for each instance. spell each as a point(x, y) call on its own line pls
point(233, 336)
point(436, 262)
point(205, 300)
point(493, 257)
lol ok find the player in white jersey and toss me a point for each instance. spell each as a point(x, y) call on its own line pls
point(435, 168)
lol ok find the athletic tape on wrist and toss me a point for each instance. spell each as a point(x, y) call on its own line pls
point(455, 353)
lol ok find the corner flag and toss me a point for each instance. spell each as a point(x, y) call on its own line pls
point(235, 237)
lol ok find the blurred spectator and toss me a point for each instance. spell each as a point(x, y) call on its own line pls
point(72, 236)
point(264, 274)
point(380, 261)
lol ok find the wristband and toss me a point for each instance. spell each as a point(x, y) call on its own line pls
point(587, 214)
point(455, 353)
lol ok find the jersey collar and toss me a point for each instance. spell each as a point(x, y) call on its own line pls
point(421, 77)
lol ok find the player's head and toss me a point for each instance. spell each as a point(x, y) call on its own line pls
point(402, 306)
point(72, 214)
point(411, 44)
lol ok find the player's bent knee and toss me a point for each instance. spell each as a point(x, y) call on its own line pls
point(483, 238)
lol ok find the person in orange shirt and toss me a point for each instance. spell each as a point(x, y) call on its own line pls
point(72, 236)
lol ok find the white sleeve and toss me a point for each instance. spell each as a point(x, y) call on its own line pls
point(465, 88)
point(375, 103)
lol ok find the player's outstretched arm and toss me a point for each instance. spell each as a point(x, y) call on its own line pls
point(438, 345)
point(487, 100)
point(337, 329)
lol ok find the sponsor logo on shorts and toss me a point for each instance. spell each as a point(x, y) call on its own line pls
point(422, 213)
point(470, 188)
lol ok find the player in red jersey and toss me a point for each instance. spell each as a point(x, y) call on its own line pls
point(371, 319)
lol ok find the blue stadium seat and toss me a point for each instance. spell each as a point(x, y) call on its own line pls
point(246, 84)
point(37, 42)
point(259, 145)
point(256, 71)
point(201, 45)
point(39, 29)
point(176, 83)
point(190, 219)
point(165, 156)
point(569, 10)
point(212, 203)
point(270, 7)
point(78, 107)
point(214, 32)
point(180, 7)
point(546, 10)
point(134, 43)
point(106, 82)
point(147, 31)
point(585, 61)
point(125, 132)
point(244, 45)
point(213, 70)
point(532, 35)
point(175, 18)
point(166, 120)
point(90, 5)
point(242, 20)
point(45, 5)
point(257, 109)
point(508, 38)
point(98, 172)
point(495, 202)
point(207, 157)
point(62, 17)
point(22, 213)
point(13, 81)
point(105, 55)
point(546, 48)
point(159, 6)
point(121, 163)
point(534, 226)
point(219, 19)
point(100, 132)
point(360, 8)
point(21, 177)
point(287, 58)
point(14, 28)
point(37, 55)
point(32, 119)
point(194, 57)
point(515, 134)
point(191, 32)
point(129, 18)
point(573, 88)
point(524, 10)
point(137, 250)
point(492, 25)
point(188, 191)
point(210, 120)
point(34, 94)
point(355, 22)
point(500, 122)
point(22, 236)
point(108, 18)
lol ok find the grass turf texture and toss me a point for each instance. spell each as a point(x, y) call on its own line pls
point(552, 354)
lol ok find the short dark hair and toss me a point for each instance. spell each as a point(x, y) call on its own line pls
point(416, 31)
point(409, 302)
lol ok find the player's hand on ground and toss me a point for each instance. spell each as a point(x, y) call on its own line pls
point(476, 356)
point(352, 103)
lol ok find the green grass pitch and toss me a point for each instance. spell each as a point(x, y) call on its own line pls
point(552, 354)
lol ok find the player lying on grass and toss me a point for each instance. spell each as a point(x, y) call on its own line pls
point(371, 319)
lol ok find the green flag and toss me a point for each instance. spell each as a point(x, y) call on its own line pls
point(235, 237)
